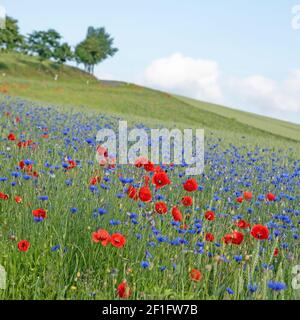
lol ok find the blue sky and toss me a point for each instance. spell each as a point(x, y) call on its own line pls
point(245, 54)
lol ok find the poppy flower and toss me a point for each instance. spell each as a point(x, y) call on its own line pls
point(118, 240)
point(18, 199)
point(237, 237)
point(4, 196)
point(271, 197)
point(209, 237)
point(234, 238)
point(140, 162)
point(276, 252)
point(195, 275)
point(161, 207)
point(102, 151)
point(187, 201)
point(248, 195)
point(260, 232)
point(243, 224)
point(160, 179)
point(39, 213)
point(11, 137)
point(131, 191)
point(123, 290)
point(23, 245)
point(190, 185)
point(209, 215)
point(94, 180)
point(239, 199)
point(149, 166)
point(72, 164)
point(227, 238)
point(145, 194)
point(177, 215)
point(101, 236)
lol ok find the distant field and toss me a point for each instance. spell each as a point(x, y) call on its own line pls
point(26, 77)
point(283, 128)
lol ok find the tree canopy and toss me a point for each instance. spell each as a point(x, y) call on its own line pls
point(10, 37)
point(43, 43)
point(96, 47)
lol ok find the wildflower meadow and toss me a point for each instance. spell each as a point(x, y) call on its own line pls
point(72, 227)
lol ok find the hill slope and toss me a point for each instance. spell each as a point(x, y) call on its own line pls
point(283, 128)
point(25, 77)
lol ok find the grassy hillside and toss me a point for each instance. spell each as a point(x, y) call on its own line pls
point(25, 77)
point(275, 126)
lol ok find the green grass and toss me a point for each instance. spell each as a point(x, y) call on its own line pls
point(80, 269)
point(275, 126)
point(27, 78)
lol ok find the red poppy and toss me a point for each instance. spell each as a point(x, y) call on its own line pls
point(271, 197)
point(94, 180)
point(123, 290)
point(22, 164)
point(18, 199)
point(209, 237)
point(161, 207)
point(23, 245)
point(149, 166)
point(101, 236)
point(190, 185)
point(25, 144)
point(131, 191)
point(260, 232)
point(248, 195)
point(160, 179)
point(140, 162)
point(102, 151)
point(227, 238)
point(234, 238)
point(276, 252)
point(39, 213)
point(243, 224)
point(118, 240)
point(35, 174)
point(72, 164)
point(237, 237)
point(195, 275)
point(187, 201)
point(209, 215)
point(25, 167)
point(145, 194)
point(239, 199)
point(11, 137)
point(177, 215)
point(4, 196)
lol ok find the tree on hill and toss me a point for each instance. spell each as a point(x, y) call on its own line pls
point(96, 47)
point(10, 37)
point(44, 43)
point(63, 53)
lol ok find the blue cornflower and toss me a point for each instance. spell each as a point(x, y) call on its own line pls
point(55, 248)
point(238, 258)
point(252, 288)
point(43, 198)
point(229, 290)
point(276, 286)
point(145, 264)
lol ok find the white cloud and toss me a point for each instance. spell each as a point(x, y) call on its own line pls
point(197, 78)
point(264, 93)
point(200, 79)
